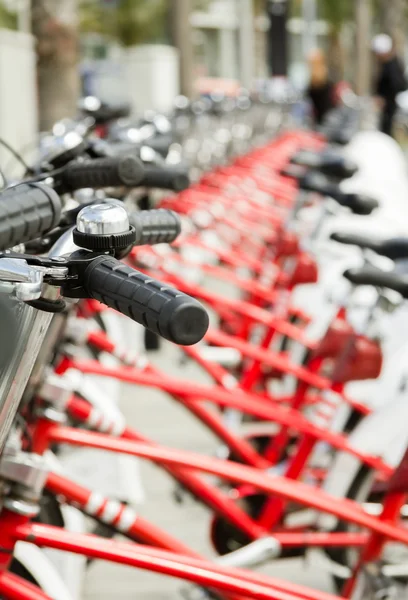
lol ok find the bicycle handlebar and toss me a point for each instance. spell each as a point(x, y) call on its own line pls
point(27, 211)
point(359, 204)
point(166, 178)
point(156, 226)
point(163, 310)
point(329, 163)
point(104, 172)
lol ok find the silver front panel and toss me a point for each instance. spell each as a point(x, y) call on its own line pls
point(14, 375)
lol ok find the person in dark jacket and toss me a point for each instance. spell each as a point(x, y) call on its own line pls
point(321, 91)
point(391, 80)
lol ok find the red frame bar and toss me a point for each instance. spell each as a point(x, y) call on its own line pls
point(14, 587)
point(235, 581)
point(285, 488)
point(242, 401)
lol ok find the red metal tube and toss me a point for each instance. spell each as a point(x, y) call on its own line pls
point(393, 503)
point(239, 446)
point(292, 490)
point(141, 530)
point(116, 514)
point(321, 539)
point(245, 402)
point(209, 494)
point(13, 587)
point(168, 563)
point(269, 358)
point(228, 256)
point(274, 508)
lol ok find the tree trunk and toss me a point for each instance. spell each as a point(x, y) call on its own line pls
point(54, 26)
point(363, 57)
point(336, 56)
point(393, 21)
point(181, 37)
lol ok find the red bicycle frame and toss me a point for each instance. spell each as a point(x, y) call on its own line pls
point(14, 528)
point(295, 491)
point(210, 495)
point(193, 393)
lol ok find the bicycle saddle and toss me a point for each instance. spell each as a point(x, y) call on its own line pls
point(393, 248)
point(103, 112)
point(368, 275)
point(328, 163)
point(359, 204)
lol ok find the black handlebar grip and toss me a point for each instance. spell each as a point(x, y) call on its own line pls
point(359, 204)
point(159, 226)
point(338, 167)
point(161, 309)
point(368, 275)
point(166, 178)
point(328, 163)
point(103, 172)
point(27, 211)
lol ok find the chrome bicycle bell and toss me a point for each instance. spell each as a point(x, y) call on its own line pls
point(103, 227)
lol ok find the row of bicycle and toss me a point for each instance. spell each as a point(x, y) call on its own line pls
point(280, 353)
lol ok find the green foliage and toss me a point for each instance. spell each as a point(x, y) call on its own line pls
point(8, 19)
point(295, 8)
point(201, 4)
point(259, 6)
point(336, 12)
point(132, 22)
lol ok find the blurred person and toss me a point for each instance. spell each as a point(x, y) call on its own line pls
point(321, 90)
point(390, 82)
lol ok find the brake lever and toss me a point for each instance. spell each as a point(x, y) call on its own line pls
point(24, 274)
point(102, 230)
point(22, 279)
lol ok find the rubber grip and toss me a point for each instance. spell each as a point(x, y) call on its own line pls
point(27, 211)
point(161, 309)
point(359, 204)
point(368, 275)
point(318, 183)
point(330, 164)
point(99, 173)
point(166, 178)
point(159, 226)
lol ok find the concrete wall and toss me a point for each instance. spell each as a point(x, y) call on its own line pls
point(105, 79)
point(152, 77)
point(18, 98)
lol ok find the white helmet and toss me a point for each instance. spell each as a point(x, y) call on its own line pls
point(382, 44)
